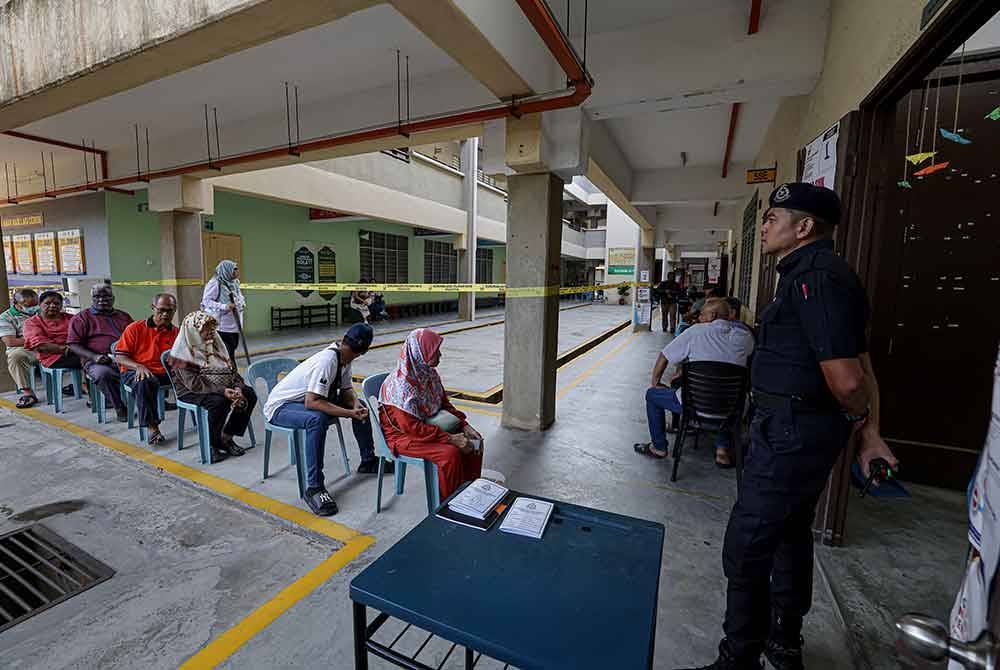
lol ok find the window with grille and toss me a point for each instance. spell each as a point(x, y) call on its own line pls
point(384, 257)
point(440, 262)
point(484, 266)
point(747, 248)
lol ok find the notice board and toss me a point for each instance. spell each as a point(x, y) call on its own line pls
point(71, 256)
point(24, 254)
point(45, 254)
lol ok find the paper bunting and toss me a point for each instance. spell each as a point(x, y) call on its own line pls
point(917, 159)
point(931, 169)
point(954, 137)
point(994, 115)
point(903, 184)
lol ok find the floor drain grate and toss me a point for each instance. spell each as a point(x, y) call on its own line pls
point(39, 569)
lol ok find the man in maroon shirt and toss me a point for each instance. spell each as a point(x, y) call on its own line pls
point(91, 333)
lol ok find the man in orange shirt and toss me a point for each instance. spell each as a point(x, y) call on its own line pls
point(138, 353)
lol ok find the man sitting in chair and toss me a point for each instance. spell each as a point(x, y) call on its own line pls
point(91, 334)
point(713, 338)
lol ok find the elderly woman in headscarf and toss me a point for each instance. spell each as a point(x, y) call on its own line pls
point(419, 420)
point(223, 299)
point(204, 374)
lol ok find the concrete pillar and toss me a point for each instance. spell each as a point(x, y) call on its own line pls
point(6, 381)
point(181, 258)
point(534, 238)
point(645, 259)
point(470, 200)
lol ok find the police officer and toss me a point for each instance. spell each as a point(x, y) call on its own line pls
point(812, 388)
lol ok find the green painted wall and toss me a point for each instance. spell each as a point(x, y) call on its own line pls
point(134, 246)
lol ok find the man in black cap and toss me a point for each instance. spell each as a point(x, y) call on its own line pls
point(318, 392)
point(812, 390)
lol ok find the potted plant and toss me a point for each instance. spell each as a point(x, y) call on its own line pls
point(623, 291)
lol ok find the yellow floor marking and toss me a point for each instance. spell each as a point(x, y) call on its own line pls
point(593, 368)
point(224, 646)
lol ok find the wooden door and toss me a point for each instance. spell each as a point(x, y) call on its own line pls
point(936, 322)
point(220, 246)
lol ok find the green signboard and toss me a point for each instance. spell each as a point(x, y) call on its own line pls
point(621, 269)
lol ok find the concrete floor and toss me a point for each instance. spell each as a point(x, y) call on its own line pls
point(586, 458)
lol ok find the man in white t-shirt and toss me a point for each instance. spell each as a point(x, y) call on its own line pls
point(314, 395)
point(713, 338)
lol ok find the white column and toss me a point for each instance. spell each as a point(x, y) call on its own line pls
point(6, 381)
point(470, 200)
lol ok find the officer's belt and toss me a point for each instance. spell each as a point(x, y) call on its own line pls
point(791, 403)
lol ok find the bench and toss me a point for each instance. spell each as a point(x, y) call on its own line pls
point(416, 309)
point(304, 316)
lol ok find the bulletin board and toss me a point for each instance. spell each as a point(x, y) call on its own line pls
point(24, 254)
point(71, 256)
point(46, 258)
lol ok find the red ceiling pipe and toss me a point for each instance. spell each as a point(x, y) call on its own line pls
point(541, 19)
point(754, 17)
point(734, 114)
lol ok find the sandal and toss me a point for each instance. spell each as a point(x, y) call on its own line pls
point(233, 449)
point(156, 438)
point(723, 465)
point(646, 448)
point(26, 401)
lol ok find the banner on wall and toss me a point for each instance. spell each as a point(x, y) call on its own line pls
point(621, 260)
point(22, 221)
point(8, 254)
point(304, 265)
point(71, 256)
point(45, 254)
point(714, 270)
point(326, 260)
point(24, 254)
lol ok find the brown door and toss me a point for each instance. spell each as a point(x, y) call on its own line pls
point(936, 320)
point(220, 246)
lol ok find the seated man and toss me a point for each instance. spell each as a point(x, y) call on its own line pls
point(138, 353)
point(314, 395)
point(91, 333)
point(714, 338)
point(46, 332)
point(20, 360)
point(735, 308)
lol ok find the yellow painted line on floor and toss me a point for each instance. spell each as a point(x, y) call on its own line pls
point(227, 644)
point(593, 368)
point(296, 515)
point(476, 410)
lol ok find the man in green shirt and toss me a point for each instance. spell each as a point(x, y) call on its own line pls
point(20, 361)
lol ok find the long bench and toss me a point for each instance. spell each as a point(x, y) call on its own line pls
point(304, 316)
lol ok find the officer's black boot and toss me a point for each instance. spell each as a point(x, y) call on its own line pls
point(727, 661)
point(784, 646)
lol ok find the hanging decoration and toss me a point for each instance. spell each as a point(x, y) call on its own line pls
point(904, 182)
point(931, 169)
point(934, 167)
point(994, 115)
point(917, 159)
point(953, 134)
point(921, 155)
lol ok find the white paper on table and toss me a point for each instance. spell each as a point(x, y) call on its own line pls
point(527, 516)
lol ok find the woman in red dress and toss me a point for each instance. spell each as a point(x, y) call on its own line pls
point(414, 393)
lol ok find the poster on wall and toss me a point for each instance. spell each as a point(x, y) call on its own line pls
point(326, 260)
point(621, 260)
point(304, 261)
point(714, 270)
point(820, 167)
point(8, 254)
point(71, 256)
point(45, 254)
point(24, 254)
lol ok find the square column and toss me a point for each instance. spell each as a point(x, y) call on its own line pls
point(6, 381)
point(181, 257)
point(470, 199)
point(645, 260)
point(534, 239)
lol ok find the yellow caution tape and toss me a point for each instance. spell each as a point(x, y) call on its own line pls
point(509, 291)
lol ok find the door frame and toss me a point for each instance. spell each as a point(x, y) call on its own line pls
point(874, 173)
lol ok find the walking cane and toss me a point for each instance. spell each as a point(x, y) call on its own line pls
point(239, 325)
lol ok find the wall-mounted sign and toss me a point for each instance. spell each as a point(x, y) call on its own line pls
point(326, 259)
point(24, 254)
point(45, 254)
point(317, 214)
point(305, 268)
point(8, 253)
point(763, 176)
point(714, 270)
point(820, 166)
point(21, 221)
point(621, 260)
point(71, 257)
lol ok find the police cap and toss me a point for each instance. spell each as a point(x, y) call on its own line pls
point(816, 200)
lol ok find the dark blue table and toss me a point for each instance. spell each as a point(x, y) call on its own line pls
point(584, 596)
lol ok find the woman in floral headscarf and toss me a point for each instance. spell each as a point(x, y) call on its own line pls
point(415, 415)
point(204, 374)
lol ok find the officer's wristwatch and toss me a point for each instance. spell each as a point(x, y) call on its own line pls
point(858, 418)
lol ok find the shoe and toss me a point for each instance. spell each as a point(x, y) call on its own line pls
point(68, 390)
point(370, 467)
point(122, 415)
point(234, 449)
point(169, 407)
point(726, 661)
point(320, 502)
point(784, 658)
point(218, 455)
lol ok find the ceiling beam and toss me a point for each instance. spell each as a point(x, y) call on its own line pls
point(734, 114)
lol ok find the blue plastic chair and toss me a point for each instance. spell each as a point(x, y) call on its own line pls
point(53, 378)
point(269, 370)
point(371, 388)
point(98, 401)
point(199, 416)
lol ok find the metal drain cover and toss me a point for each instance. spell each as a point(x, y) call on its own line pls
point(39, 569)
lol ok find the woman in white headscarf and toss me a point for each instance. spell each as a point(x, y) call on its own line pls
point(224, 300)
point(204, 374)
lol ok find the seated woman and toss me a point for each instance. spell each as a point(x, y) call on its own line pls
point(204, 374)
point(361, 302)
point(46, 332)
point(411, 396)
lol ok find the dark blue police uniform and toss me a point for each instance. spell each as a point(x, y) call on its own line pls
point(819, 313)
